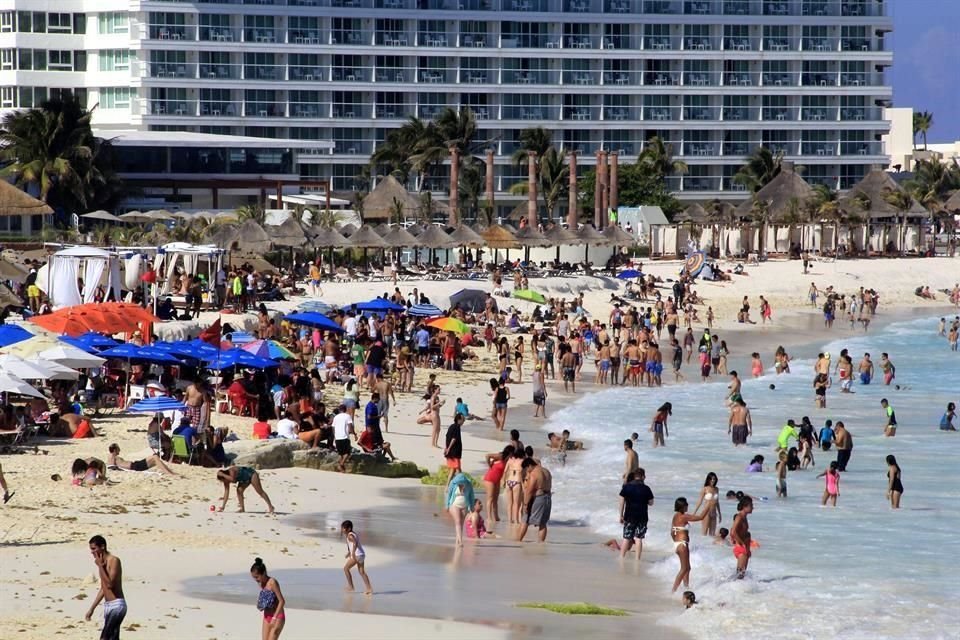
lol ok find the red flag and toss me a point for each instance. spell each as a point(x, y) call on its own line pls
point(150, 277)
point(211, 335)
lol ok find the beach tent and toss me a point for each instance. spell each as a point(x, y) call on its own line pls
point(470, 300)
point(58, 278)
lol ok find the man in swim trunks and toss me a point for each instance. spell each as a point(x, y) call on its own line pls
point(568, 363)
point(635, 499)
point(889, 371)
point(890, 428)
point(866, 369)
point(844, 442)
point(111, 589)
point(734, 387)
point(740, 535)
point(740, 424)
point(537, 496)
point(631, 461)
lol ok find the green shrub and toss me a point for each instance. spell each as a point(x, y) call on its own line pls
point(574, 608)
point(442, 476)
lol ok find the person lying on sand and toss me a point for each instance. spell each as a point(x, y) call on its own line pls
point(114, 461)
point(88, 472)
point(70, 425)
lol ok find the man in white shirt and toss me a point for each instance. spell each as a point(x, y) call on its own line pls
point(287, 427)
point(350, 326)
point(342, 430)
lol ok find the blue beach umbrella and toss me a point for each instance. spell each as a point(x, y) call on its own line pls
point(629, 274)
point(425, 310)
point(12, 334)
point(312, 319)
point(91, 342)
point(378, 305)
point(158, 404)
point(316, 306)
point(195, 349)
point(129, 351)
point(235, 358)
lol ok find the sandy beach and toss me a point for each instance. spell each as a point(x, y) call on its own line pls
point(186, 568)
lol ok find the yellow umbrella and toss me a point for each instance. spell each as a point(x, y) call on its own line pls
point(33, 346)
point(449, 324)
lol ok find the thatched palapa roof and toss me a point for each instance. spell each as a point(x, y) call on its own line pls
point(16, 202)
point(497, 236)
point(557, 236)
point(530, 236)
point(248, 236)
point(433, 237)
point(366, 238)
point(695, 213)
point(784, 195)
point(399, 237)
point(618, 236)
point(326, 237)
point(953, 202)
point(288, 234)
point(464, 236)
point(379, 203)
point(875, 185)
point(589, 235)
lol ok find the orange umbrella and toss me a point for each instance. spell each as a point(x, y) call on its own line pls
point(129, 310)
point(72, 323)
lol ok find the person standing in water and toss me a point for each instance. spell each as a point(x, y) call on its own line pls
point(680, 534)
point(946, 422)
point(710, 496)
point(631, 461)
point(844, 442)
point(355, 557)
point(740, 535)
point(888, 368)
point(831, 489)
point(659, 425)
point(537, 493)
point(740, 424)
point(635, 500)
point(890, 428)
point(270, 601)
point(894, 484)
point(110, 573)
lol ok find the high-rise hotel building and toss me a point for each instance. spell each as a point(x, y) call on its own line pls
point(715, 78)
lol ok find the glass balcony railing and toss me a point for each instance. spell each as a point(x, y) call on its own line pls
point(216, 108)
point(351, 110)
point(530, 113)
point(219, 34)
point(301, 73)
point(578, 113)
point(818, 114)
point(579, 6)
point(621, 42)
point(437, 76)
point(305, 36)
point(581, 42)
point(429, 111)
point(779, 44)
point(855, 44)
point(861, 113)
point(173, 107)
point(735, 149)
point(433, 39)
point(857, 79)
point(219, 71)
point(700, 7)
point(622, 6)
point(701, 79)
point(476, 40)
point(172, 32)
point(818, 148)
point(530, 77)
point(263, 35)
point(787, 148)
point(622, 78)
point(661, 43)
point(701, 43)
point(820, 44)
point(701, 183)
point(619, 114)
point(477, 76)
point(819, 79)
point(309, 109)
point(171, 69)
point(780, 79)
point(264, 109)
point(861, 148)
point(741, 114)
point(779, 114)
point(727, 183)
point(524, 5)
point(662, 78)
point(263, 72)
point(351, 37)
point(350, 74)
point(581, 78)
point(741, 79)
point(665, 7)
point(353, 147)
point(701, 149)
point(661, 114)
point(701, 113)
point(522, 41)
point(395, 74)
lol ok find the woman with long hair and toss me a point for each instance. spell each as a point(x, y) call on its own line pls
point(710, 497)
point(680, 534)
point(894, 485)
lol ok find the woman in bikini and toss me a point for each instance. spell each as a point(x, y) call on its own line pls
point(244, 477)
point(270, 601)
point(518, 352)
point(710, 497)
point(680, 534)
point(512, 475)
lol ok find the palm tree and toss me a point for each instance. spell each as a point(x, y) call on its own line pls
point(53, 149)
point(922, 122)
point(761, 167)
point(252, 212)
point(553, 181)
point(657, 155)
point(396, 211)
point(901, 201)
point(760, 212)
point(327, 218)
point(824, 206)
point(536, 139)
point(471, 186)
point(398, 147)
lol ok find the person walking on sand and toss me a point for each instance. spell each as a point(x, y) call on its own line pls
point(635, 500)
point(537, 493)
point(459, 498)
point(110, 573)
point(270, 601)
point(894, 484)
point(680, 534)
point(568, 364)
point(355, 558)
point(244, 477)
point(710, 496)
point(500, 399)
point(659, 425)
point(740, 535)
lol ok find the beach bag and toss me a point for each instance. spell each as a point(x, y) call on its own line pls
point(266, 600)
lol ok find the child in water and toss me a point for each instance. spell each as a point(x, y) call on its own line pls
point(782, 475)
point(474, 523)
point(721, 537)
point(832, 489)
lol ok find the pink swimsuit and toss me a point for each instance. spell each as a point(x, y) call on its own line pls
point(832, 482)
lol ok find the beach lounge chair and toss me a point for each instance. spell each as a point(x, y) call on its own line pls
point(343, 275)
point(180, 449)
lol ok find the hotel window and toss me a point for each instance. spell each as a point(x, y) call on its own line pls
point(59, 23)
point(34, 21)
point(61, 60)
point(113, 22)
point(115, 98)
point(8, 59)
point(31, 96)
point(114, 59)
point(32, 59)
point(6, 22)
point(7, 95)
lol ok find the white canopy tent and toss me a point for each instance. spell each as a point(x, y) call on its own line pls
point(59, 277)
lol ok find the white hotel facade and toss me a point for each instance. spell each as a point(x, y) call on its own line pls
point(715, 78)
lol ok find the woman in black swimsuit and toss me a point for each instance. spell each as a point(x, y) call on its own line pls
point(894, 485)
